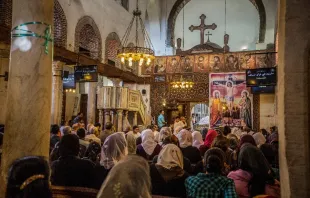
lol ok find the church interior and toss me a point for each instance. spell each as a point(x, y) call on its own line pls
point(154, 98)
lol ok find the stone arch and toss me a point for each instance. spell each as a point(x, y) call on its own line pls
point(179, 5)
point(6, 13)
point(87, 36)
point(112, 44)
point(60, 26)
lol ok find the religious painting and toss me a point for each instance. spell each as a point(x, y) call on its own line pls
point(231, 62)
point(216, 62)
point(265, 60)
point(247, 61)
point(146, 69)
point(173, 63)
point(202, 63)
point(160, 64)
point(230, 101)
point(187, 64)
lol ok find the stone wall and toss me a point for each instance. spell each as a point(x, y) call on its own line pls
point(267, 111)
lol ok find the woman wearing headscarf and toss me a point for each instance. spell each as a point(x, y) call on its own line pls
point(168, 175)
point(254, 174)
point(113, 150)
point(131, 142)
point(233, 141)
point(221, 142)
point(244, 139)
point(259, 139)
point(211, 183)
point(148, 148)
point(198, 142)
point(93, 152)
point(190, 152)
point(163, 134)
point(129, 178)
point(211, 135)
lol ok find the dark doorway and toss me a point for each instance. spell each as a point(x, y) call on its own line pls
point(83, 107)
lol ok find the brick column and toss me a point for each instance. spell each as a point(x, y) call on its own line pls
point(125, 120)
point(107, 116)
point(135, 118)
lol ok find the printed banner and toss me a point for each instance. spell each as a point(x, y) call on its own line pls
point(230, 101)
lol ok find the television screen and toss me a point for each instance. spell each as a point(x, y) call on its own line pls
point(263, 90)
point(69, 83)
point(261, 77)
point(86, 73)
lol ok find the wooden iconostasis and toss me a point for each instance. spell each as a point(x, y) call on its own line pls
point(197, 68)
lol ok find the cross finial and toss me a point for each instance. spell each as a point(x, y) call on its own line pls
point(202, 27)
point(208, 36)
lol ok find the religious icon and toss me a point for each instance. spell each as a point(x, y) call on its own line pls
point(201, 63)
point(261, 60)
point(216, 62)
point(160, 65)
point(231, 63)
point(187, 63)
point(247, 61)
point(245, 106)
point(216, 108)
point(173, 64)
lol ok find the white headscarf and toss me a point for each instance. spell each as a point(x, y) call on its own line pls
point(185, 138)
point(170, 156)
point(129, 178)
point(148, 141)
point(197, 139)
point(113, 150)
point(164, 133)
point(259, 138)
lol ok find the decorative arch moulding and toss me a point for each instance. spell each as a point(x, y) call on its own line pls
point(179, 5)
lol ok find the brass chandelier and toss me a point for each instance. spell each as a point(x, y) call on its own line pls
point(141, 54)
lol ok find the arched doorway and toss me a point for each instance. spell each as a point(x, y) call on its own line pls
point(200, 116)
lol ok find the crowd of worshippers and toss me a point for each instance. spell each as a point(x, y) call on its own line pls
point(172, 162)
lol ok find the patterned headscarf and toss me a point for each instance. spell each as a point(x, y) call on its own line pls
point(185, 138)
point(129, 178)
point(170, 156)
point(113, 150)
point(148, 141)
point(197, 139)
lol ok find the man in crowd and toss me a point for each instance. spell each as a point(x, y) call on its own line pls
point(161, 119)
point(78, 118)
point(54, 136)
point(106, 132)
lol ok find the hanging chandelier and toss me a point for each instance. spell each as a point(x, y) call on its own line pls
point(182, 84)
point(143, 53)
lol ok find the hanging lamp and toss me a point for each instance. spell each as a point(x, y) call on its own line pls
point(141, 53)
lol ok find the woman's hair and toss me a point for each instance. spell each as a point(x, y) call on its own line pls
point(232, 141)
point(247, 139)
point(204, 133)
point(69, 145)
point(264, 131)
point(252, 160)
point(220, 142)
point(29, 177)
point(171, 140)
point(269, 152)
point(226, 130)
point(214, 160)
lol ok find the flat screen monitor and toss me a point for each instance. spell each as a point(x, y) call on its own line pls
point(263, 90)
point(261, 77)
point(86, 73)
point(69, 82)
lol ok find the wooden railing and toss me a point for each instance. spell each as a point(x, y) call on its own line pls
point(121, 98)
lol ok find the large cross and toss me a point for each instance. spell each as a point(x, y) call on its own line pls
point(202, 27)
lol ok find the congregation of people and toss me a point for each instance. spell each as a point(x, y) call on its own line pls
point(159, 160)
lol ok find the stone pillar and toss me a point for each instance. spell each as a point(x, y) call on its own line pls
point(114, 118)
point(91, 88)
point(293, 97)
point(107, 116)
point(57, 92)
point(119, 120)
point(125, 120)
point(135, 118)
point(29, 92)
point(116, 81)
point(101, 115)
